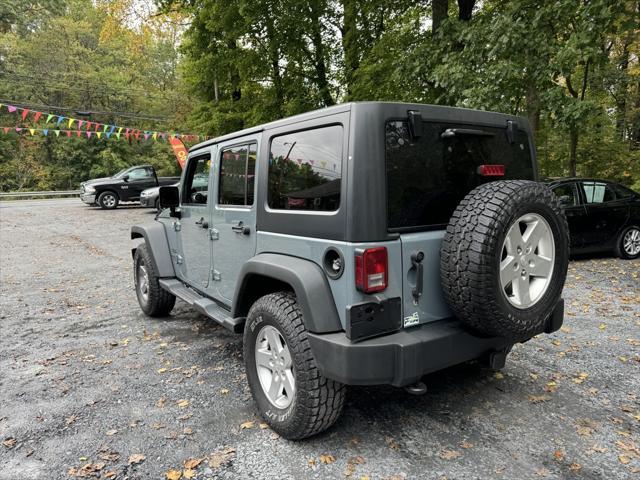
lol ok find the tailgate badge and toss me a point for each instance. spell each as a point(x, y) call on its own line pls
point(411, 320)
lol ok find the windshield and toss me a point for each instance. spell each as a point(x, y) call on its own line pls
point(427, 177)
point(120, 173)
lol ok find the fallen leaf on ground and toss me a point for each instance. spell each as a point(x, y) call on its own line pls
point(449, 454)
point(543, 472)
point(539, 398)
point(9, 442)
point(136, 458)
point(575, 467)
point(111, 433)
point(624, 459)
point(174, 475)
point(327, 459)
point(110, 474)
point(498, 375)
point(71, 419)
point(160, 403)
point(246, 425)
point(183, 403)
point(217, 459)
point(580, 378)
point(192, 463)
point(162, 370)
point(558, 454)
point(263, 426)
point(188, 473)
point(466, 445)
point(188, 431)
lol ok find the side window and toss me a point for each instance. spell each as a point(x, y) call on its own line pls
point(237, 175)
point(144, 173)
point(598, 192)
point(197, 181)
point(305, 170)
point(622, 192)
point(567, 194)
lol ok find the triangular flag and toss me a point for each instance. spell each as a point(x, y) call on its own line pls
point(71, 120)
point(108, 134)
point(97, 126)
point(60, 118)
point(89, 125)
point(25, 112)
point(146, 135)
point(6, 129)
point(11, 108)
point(57, 133)
point(45, 132)
point(118, 135)
point(37, 116)
point(80, 122)
point(120, 130)
point(32, 131)
point(68, 133)
point(89, 134)
point(113, 127)
point(99, 134)
point(155, 135)
point(105, 128)
point(78, 132)
point(49, 117)
point(18, 129)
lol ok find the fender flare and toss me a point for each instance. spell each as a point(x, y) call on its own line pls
point(155, 237)
point(307, 280)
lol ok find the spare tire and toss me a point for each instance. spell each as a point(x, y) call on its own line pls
point(504, 258)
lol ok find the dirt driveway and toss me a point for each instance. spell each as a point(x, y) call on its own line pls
point(91, 387)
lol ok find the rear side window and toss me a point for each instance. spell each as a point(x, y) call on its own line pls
point(598, 192)
point(305, 170)
point(428, 176)
point(237, 175)
point(196, 184)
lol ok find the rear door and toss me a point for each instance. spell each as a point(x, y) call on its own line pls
point(139, 179)
point(426, 179)
point(607, 214)
point(233, 214)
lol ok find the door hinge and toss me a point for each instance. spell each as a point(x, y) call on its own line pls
point(214, 234)
point(179, 259)
point(177, 226)
point(216, 275)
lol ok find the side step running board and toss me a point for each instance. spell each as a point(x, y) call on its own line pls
point(204, 305)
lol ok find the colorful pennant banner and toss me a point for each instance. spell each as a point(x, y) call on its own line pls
point(87, 129)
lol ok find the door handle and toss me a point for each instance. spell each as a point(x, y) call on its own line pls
point(241, 228)
point(202, 223)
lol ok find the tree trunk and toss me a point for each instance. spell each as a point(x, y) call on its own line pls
point(533, 109)
point(440, 13)
point(350, 44)
point(318, 57)
point(621, 95)
point(573, 152)
point(274, 59)
point(465, 9)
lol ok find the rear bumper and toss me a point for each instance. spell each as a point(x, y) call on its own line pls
point(402, 358)
point(89, 198)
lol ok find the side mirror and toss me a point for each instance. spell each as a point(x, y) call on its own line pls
point(170, 198)
point(125, 178)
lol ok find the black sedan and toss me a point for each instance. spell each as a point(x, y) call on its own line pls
point(602, 215)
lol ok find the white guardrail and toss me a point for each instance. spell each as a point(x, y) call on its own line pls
point(60, 193)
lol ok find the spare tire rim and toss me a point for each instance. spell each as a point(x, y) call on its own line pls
point(631, 242)
point(274, 367)
point(527, 259)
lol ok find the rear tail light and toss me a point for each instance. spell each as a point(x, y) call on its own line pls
point(491, 170)
point(372, 270)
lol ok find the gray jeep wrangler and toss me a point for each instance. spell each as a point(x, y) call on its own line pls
point(362, 244)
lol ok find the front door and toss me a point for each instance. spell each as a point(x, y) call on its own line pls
point(139, 179)
point(192, 230)
point(607, 213)
point(575, 212)
point(234, 214)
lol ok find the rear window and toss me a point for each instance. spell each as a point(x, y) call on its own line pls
point(428, 176)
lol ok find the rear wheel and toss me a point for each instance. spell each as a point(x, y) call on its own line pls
point(108, 200)
point(504, 258)
point(291, 394)
point(628, 246)
point(153, 299)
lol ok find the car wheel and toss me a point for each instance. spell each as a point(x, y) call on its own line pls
point(157, 205)
point(153, 299)
point(504, 258)
point(291, 394)
point(108, 200)
point(628, 246)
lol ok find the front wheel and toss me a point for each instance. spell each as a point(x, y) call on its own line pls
point(108, 200)
point(291, 394)
point(628, 246)
point(153, 299)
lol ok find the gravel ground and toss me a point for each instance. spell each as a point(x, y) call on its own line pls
point(91, 387)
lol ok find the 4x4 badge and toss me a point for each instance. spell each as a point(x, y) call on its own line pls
point(412, 320)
